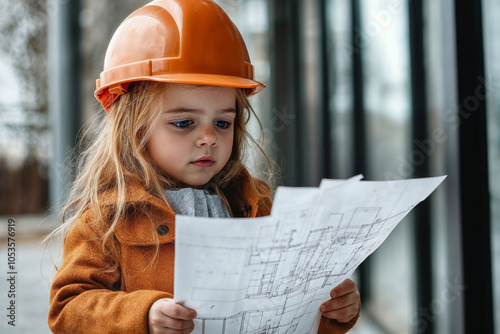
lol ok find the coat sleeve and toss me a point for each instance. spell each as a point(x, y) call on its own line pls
point(82, 296)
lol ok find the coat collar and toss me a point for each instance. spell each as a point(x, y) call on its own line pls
point(135, 194)
point(139, 230)
point(254, 190)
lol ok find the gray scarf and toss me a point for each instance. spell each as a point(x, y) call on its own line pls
point(196, 202)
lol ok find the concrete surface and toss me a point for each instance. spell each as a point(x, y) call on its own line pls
point(32, 268)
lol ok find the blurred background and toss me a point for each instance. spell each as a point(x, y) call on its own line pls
point(391, 89)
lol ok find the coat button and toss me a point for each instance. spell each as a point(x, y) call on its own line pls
point(162, 229)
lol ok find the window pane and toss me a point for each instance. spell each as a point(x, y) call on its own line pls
point(442, 96)
point(251, 17)
point(383, 37)
point(491, 13)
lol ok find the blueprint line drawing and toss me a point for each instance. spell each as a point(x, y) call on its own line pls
point(269, 275)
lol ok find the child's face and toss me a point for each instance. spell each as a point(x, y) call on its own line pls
point(193, 138)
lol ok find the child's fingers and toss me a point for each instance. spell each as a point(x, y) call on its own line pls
point(176, 325)
point(161, 328)
point(176, 311)
point(165, 316)
point(343, 288)
point(341, 302)
point(344, 303)
point(343, 314)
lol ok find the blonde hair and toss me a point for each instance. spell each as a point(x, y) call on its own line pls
point(118, 153)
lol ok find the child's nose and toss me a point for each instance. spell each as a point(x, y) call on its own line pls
point(206, 137)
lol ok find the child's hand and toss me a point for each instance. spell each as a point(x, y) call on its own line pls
point(165, 316)
point(344, 304)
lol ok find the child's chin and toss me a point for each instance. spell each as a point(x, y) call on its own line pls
point(199, 183)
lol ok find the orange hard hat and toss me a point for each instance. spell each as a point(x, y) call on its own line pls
point(181, 41)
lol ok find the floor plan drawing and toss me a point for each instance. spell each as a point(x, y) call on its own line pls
point(270, 274)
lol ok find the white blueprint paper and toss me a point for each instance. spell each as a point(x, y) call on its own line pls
point(270, 274)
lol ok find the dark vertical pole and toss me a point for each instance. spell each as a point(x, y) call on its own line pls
point(359, 140)
point(327, 165)
point(65, 99)
point(286, 80)
point(422, 214)
point(473, 150)
point(299, 135)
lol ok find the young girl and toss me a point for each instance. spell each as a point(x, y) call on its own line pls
point(171, 140)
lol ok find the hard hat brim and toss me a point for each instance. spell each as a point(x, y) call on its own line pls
point(211, 80)
point(107, 98)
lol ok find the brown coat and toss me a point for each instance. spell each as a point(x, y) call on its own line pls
point(86, 298)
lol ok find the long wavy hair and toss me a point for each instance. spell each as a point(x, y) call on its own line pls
point(115, 152)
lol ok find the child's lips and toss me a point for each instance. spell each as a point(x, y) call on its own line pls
point(204, 162)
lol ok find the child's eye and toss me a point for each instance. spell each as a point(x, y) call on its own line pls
point(223, 124)
point(182, 124)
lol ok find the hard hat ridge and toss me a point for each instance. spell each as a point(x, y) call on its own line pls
point(182, 41)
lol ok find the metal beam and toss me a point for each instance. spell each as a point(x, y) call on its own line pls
point(422, 213)
point(473, 151)
point(327, 167)
point(65, 94)
point(286, 78)
point(359, 128)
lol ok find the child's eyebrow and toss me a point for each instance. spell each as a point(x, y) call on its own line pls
point(180, 110)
